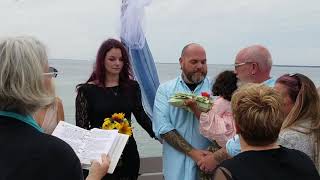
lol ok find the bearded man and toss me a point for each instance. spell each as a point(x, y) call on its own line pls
point(178, 128)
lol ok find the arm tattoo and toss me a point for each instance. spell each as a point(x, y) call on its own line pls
point(177, 141)
point(221, 155)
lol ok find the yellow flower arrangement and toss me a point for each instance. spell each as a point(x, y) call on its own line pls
point(118, 121)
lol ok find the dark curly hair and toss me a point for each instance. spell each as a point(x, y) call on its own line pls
point(225, 85)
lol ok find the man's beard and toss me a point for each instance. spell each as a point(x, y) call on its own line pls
point(193, 77)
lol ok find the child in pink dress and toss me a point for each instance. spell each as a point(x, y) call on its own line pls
point(218, 124)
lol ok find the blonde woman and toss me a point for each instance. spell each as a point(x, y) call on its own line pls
point(49, 116)
point(301, 127)
point(258, 118)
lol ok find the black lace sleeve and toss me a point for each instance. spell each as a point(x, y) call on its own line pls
point(82, 109)
point(139, 113)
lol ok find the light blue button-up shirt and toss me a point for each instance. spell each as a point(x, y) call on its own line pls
point(177, 165)
point(233, 145)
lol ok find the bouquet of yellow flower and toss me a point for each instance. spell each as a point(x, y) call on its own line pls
point(119, 122)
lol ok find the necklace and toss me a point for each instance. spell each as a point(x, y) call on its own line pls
point(115, 90)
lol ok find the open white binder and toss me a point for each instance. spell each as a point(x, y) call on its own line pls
point(90, 144)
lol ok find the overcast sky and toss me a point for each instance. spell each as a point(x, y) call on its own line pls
point(74, 29)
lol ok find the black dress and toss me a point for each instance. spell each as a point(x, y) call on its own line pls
point(94, 104)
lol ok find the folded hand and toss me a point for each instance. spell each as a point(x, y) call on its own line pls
point(207, 163)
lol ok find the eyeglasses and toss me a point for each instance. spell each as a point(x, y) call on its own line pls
point(53, 72)
point(240, 64)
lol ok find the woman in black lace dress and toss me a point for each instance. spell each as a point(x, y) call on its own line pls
point(110, 89)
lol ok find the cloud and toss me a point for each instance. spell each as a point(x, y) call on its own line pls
point(225, 27)
point(74, 29)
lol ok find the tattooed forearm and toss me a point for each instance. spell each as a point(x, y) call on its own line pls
point(221, 155)
point(177, 141)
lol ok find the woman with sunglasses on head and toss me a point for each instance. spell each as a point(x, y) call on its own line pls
point(49, 116)
point(301, 127)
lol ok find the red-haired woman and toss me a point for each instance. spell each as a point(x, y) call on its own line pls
point(110, 89)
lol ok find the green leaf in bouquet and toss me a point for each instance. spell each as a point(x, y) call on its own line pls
point(201, 99)
point(204, 107)
point(178, 99)
point(176, 102)
point(183, 95)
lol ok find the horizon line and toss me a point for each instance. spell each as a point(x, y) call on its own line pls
point(276, 65)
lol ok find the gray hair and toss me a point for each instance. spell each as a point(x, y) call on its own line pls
point(22, 63)
point(260, 55)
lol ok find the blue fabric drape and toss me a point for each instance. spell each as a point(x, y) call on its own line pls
point(133, 36)
point(146, 74)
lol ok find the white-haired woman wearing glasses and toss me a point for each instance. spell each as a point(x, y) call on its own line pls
point(26, 152)
point(49, 116)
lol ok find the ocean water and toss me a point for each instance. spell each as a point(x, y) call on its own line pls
point(73, 72)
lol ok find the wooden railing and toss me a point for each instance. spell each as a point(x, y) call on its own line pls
point(151, 168)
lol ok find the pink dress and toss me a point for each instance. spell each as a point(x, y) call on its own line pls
point(218, 124)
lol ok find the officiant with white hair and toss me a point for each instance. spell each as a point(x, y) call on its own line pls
point(26, 152)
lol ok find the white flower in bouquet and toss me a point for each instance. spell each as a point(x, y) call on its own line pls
point(204, 101)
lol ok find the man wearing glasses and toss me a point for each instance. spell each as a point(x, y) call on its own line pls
point(252, 65)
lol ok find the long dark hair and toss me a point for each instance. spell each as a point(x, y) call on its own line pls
point(98, 76)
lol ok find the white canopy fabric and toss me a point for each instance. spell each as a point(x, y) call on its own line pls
point(132, 22)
